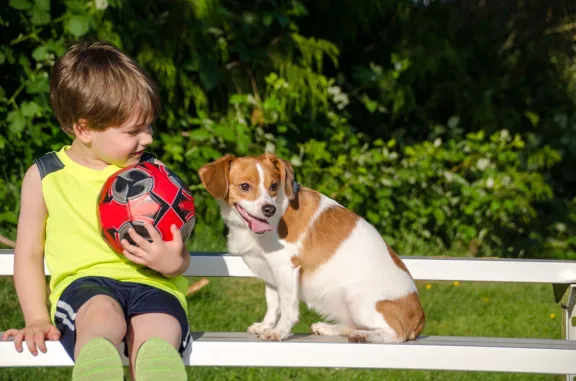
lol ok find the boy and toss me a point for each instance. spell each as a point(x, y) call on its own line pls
point(98, 299)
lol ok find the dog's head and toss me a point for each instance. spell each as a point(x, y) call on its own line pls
point(253, 191)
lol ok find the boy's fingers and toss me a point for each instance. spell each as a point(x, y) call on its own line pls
point(134, 250)
point(54, 334)
point(9, 334)
point(176, 233)
point(153, 232)
point(138, 239)
point(40, 342)
point(31, 344)
point(18, 338)
point(134, 258)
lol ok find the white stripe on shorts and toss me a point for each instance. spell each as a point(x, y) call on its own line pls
point(65, 320)
point(67, 308)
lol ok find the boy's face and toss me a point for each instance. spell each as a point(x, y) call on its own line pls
point(122, 145)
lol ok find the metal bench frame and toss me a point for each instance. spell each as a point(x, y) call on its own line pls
point(488, 354)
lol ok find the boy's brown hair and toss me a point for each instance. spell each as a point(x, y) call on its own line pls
point(95, 81)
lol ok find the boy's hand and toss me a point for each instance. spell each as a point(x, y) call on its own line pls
point(35, 335)
point(159, 255)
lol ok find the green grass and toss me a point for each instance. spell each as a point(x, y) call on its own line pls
point(466, 309)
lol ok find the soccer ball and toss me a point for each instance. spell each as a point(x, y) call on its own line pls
point(144, 192)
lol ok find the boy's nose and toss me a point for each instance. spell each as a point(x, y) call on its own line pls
point(146, 139)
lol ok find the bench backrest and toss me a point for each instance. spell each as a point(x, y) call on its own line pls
point(421, 268)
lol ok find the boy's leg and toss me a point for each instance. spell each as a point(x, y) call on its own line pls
point(100, 328)
point(158, 334)
point(89, 308)
point(93, 325)
point(148, 325)
point(100, 317)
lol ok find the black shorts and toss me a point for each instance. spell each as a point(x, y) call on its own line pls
point(134, 298)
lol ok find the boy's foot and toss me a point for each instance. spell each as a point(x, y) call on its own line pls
point(98, 360)
point(158, 360)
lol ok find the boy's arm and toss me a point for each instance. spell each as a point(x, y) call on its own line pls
point(29, 276)
point(183, 267)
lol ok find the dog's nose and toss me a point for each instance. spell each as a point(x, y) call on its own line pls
point(268, 210)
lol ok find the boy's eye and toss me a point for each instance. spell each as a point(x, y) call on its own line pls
point(139, 130)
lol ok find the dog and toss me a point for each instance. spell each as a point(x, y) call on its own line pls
point(306, 246)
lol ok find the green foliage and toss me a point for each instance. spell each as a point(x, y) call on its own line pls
point(473, 190)
point(446, 124)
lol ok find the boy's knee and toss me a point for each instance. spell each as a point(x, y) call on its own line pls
point(102, 313)
point(146, 326)
point(101, 316)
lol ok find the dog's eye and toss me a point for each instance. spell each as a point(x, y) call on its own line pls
point(274, 187)
point(245, 187)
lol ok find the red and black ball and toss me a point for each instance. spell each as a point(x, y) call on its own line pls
point(144, 192)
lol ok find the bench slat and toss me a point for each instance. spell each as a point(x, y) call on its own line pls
point(432, 353)
point(421, 268)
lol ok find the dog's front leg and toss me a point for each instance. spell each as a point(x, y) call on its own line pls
point(287, 286)
point(272, 311)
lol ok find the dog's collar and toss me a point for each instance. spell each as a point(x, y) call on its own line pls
point(295, 186)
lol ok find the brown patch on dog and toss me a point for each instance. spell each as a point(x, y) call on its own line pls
point(296, 262)
point(329, 230)
point(272, 174)
point(397, 261)
point(244, 171)
point(298, 215)
point(284, 169)
point(405, 316)
point(214, 176)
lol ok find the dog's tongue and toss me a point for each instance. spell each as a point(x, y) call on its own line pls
point(257, 225)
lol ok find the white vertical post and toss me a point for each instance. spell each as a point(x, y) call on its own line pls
point(570, 321)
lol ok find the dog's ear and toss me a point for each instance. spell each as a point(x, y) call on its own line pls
point(214, 176)
point(286, 175)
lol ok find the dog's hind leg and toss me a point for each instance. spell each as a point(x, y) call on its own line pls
point(327, 329)
point(387, 321)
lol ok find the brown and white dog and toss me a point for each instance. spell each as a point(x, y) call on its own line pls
point(306, 246)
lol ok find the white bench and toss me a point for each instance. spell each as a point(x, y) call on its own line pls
point(492, 354)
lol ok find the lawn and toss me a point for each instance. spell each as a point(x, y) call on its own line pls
point(452, 308)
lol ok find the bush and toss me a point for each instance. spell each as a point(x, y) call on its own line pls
point(441, 142)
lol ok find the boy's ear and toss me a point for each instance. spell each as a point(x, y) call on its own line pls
point(82, 131)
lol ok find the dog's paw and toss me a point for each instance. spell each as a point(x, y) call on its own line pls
point(273, 334)
point(258, 328)
point(358, 337)
point(320, 328)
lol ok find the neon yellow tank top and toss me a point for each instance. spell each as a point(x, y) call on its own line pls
point(74, 247)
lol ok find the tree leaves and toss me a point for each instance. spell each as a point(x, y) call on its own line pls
point(30, 109)
point(79, 25)
point(427, 135)
point(16, 122)
point(41, 12)
point(40, 53)
point(20, 5)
